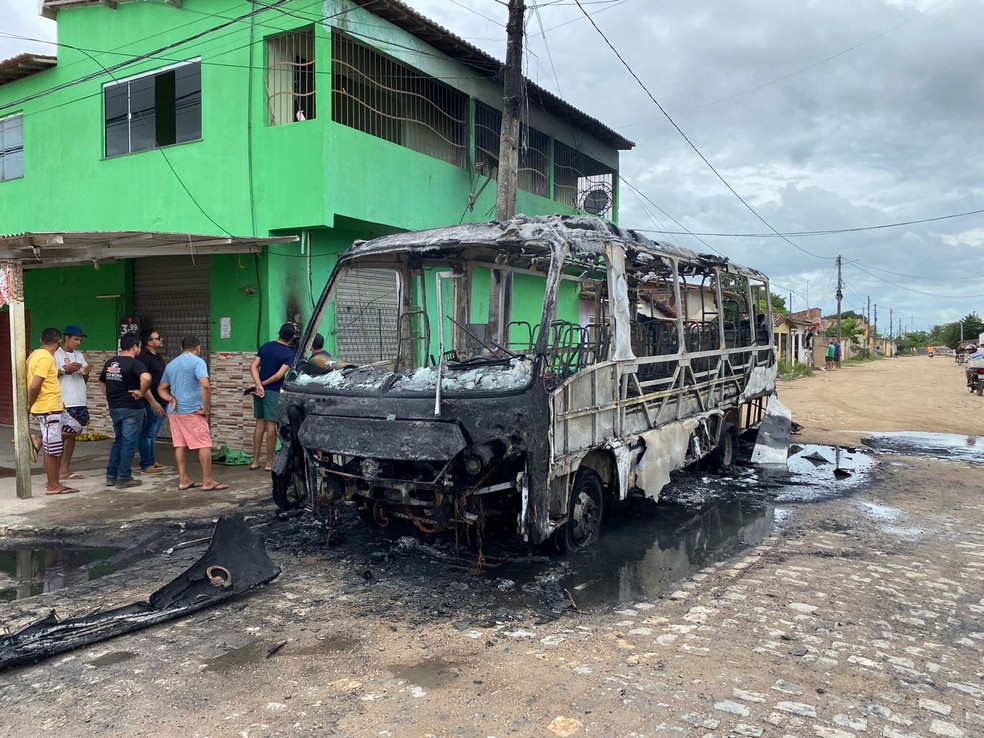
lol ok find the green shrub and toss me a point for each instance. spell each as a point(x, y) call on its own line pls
point(788, 372)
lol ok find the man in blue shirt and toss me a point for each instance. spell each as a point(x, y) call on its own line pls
point(185, 388)
point(268, 369)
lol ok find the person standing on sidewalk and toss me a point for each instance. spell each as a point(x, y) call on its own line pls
point(44, 403)
point(268, 369)
point(73, 375)
point(186, 389)
point(150, 357)
point(125, 381)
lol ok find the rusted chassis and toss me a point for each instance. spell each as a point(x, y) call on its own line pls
point(483, 458)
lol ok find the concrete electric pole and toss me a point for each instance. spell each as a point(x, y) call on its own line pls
point(840, 296)
point(512, 105)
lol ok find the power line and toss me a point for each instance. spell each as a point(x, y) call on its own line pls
point(835, 231)
point(134, 60)
point(691, 143)
point(911, 289)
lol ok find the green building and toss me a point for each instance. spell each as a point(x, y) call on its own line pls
point(195, 166)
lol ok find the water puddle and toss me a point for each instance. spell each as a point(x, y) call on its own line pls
point(429, 674)
point(937, 445)
point(649, 553)
point(819, 472)
point(113, 657)
point(647, 550)
point(238, 658)
point(32, 570)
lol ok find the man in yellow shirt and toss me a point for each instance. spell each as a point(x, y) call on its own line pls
point(44, 403)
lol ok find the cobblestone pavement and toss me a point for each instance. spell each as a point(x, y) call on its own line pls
point(861, 616)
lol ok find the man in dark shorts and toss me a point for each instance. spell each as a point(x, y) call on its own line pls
point(150, 357)
point(126, 382)
point(268, 369)
point(73, 376)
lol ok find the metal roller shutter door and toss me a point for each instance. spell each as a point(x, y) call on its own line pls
point(366, 314)
point(171, 296)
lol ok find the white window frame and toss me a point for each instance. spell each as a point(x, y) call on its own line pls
point(129, 113)
point(3, 151)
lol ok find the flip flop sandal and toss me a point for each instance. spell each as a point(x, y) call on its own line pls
point(75, 475)
point(252, 467)
point(62, 491)
point(216, 488)
point(193, 485)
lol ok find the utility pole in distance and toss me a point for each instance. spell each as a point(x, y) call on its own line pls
point(867, 320)
point(840, 296)
point(512, 103)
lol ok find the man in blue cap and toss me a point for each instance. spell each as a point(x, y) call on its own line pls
point(73, 375)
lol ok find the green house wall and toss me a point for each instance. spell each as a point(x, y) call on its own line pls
point(321, 181)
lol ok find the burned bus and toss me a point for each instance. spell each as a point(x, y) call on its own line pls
point(531, 372)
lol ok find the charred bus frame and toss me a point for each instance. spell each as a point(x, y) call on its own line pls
point(531, 371)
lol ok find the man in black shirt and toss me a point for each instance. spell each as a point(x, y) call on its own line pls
point(125, 381)
point(150, 357)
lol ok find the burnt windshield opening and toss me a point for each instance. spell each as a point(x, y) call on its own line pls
point(400, 323)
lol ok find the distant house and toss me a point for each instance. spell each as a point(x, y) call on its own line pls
point(794, 333)
point(200, 166)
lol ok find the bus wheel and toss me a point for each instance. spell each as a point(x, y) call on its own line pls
point(723, 457)
point(285, 492)
point(583, 513)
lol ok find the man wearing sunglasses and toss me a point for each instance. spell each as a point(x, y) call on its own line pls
point(150, 357)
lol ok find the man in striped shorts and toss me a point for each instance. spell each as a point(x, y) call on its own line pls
point(44, 402)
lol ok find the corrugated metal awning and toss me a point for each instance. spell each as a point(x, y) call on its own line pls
point(38, 250)
point(24, 65)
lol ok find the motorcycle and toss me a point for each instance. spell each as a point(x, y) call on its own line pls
point(975, 378)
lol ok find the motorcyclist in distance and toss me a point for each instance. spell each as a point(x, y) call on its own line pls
point(978, 353)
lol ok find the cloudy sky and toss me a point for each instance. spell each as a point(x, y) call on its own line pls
point(822, 115)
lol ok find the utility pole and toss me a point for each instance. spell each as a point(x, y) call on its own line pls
point(891, 324)
point(512, 105)
point(14, 276)
point(840, 296)
point(867, 321)
point(874, 335)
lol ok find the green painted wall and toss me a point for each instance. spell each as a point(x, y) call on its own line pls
point(82, 296)
point(244, 177)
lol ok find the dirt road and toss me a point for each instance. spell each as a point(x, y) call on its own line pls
point(899, 394)
point(857, 614)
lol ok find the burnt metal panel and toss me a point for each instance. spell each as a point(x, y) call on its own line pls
point(234, 563)
point(404, 440)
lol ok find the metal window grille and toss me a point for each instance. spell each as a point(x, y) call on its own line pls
point(534, 160)
point(534, 151)
point(290, 78)
point(581, 182)
point(488, 128)
point(384, 98)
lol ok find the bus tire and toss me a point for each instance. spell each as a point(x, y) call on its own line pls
point(584, 512)
point(285, 494)
point(724, 455)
